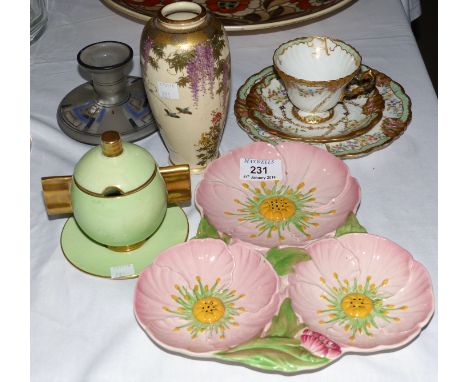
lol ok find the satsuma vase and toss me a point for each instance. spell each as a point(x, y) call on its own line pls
point(185, 64)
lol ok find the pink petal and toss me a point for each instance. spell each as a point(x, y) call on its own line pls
point(316, 168)
point(346, 202)
point(226, 170)
point(153, 292)
point(253, 276)
point(409, 286)
point(380, 340)
point(214, 200)
point(250, 325)
point(328, 257)
point(162, 331)
point(207, 258)
point(417, 295)
point(307, 301)
point(319, 344)
point(308, 292)
point(381, 259)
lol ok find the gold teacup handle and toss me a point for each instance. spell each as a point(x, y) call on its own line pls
point(361, 84)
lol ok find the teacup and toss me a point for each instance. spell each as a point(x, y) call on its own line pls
point(318, 72)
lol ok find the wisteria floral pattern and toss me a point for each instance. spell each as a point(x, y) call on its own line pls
point(187, 77)
point(197, 67)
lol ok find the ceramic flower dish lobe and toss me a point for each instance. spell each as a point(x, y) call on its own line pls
point(205, 296)
point(308, 197)
point(353, 292)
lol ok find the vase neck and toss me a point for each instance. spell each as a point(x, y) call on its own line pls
point(182, 16)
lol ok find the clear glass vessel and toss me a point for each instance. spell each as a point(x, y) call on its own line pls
point(38, 19)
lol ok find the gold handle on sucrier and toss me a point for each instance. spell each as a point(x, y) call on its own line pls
point(56, 189)
point(177, 178)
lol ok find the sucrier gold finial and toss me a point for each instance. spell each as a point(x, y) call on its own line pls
point(111, 143)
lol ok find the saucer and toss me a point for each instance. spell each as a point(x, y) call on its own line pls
point(269, 106)
point(396, 116)
point(97, 260)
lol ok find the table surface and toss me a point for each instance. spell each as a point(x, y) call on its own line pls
point(83, 327)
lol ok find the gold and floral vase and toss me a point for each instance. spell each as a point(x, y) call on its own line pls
point(186, 70)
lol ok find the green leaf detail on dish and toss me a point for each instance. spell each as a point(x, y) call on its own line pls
point(277, 354)
point(206, 230)
point(286, 323)
point(284, 259)
point(278, 351)
point(351, 225)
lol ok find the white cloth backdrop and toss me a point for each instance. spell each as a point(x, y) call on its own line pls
point(412, 8)
point(83, 328)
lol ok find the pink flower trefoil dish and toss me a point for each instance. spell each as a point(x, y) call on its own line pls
point(310, 197)
point(362, 291)
point(286, 310)
point(203, 296)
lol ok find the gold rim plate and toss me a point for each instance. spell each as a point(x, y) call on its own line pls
point(378, 137)
point(241, 22)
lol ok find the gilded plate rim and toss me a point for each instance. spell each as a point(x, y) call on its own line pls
point(240, 104)
point(248, 27)
point(319, 139)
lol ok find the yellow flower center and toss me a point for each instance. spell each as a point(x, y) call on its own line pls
point(208, 310)
point(356, 305)
point(277, 208)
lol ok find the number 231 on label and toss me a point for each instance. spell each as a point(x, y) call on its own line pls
point(260, 169)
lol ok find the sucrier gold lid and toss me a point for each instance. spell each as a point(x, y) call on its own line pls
point(111, 144)
point(114, 164)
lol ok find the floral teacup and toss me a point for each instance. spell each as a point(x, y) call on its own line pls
point(318, 72)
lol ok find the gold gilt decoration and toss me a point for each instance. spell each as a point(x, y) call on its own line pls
point(208, 143)
point(281, 123)
point(393, 127)
point(202, 63)
point(391, 94)
point(241, 14)
point(330, 84)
